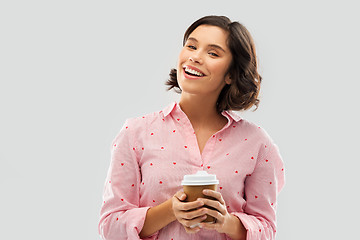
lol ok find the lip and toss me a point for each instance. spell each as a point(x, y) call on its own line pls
point(187, 76)
point(193, 68)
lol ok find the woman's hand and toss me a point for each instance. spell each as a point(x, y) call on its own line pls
point(189, 214)
point(225, 222)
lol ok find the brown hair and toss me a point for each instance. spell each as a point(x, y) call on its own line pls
point(244, 89)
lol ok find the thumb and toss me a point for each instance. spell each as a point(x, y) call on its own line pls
point(182, 196)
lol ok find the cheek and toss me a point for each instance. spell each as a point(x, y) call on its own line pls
point(218, 68)
point(182, 56)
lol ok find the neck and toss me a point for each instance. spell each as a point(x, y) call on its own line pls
point(201, 111)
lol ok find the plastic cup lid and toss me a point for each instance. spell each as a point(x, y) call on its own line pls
point(200, 178)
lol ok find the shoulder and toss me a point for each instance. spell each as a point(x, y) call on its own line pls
point(140, 123)
point(255, 131)
point(135, 127)
point(265, 144)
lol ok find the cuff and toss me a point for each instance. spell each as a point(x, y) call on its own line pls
point(136, 223)
point(140, 225)
point(125, 225)
point(253, 231)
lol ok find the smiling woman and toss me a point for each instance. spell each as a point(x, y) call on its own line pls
point(143, 198)
point(206, 53)
point(243, 92)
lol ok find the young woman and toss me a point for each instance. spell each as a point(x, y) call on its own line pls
point(143, 197)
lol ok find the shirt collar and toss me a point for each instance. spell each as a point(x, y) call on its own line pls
point(174, 105)
point(167, 110)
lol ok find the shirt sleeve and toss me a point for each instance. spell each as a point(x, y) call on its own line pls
point(121, 217)
point(261, 191)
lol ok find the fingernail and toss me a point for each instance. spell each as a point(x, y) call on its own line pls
point(205, 191)
point(195, 225)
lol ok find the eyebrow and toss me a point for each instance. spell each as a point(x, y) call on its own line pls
point(210, 45)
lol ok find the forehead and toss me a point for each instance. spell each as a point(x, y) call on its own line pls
point(210, 35)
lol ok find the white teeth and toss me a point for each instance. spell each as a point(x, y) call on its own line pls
point(192, 71)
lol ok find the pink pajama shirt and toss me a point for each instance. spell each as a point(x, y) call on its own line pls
point(151, 154)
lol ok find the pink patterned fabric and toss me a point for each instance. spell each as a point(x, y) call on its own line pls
point(152, 153)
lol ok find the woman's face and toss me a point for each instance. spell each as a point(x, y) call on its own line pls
point(204, 61)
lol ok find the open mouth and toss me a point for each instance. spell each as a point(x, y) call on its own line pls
point(193, 72)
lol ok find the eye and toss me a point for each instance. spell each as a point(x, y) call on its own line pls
point(191, 47)
point(213, 54)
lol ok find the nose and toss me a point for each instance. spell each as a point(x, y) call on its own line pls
point(195, 58)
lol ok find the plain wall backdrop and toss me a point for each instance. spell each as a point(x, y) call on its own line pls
point(71, 72)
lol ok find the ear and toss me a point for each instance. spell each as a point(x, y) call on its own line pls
point(228, 79)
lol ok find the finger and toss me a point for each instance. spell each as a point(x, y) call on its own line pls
point(192, 230)
point(214, 194)
point(214, 204)
point(193, 222)
point(189, 215)
point(219, 217)
point(211, 226)
point(180, 195)
point(190, 205)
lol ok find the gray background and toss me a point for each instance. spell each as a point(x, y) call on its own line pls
point(72, 71)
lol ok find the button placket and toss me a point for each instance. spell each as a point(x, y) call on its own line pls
point(190, 138)
point(206, 154)
point(210, 145)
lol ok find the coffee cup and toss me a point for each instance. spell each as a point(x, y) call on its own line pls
point(193, 186)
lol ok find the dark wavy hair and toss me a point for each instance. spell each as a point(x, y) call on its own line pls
point(244, 89)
